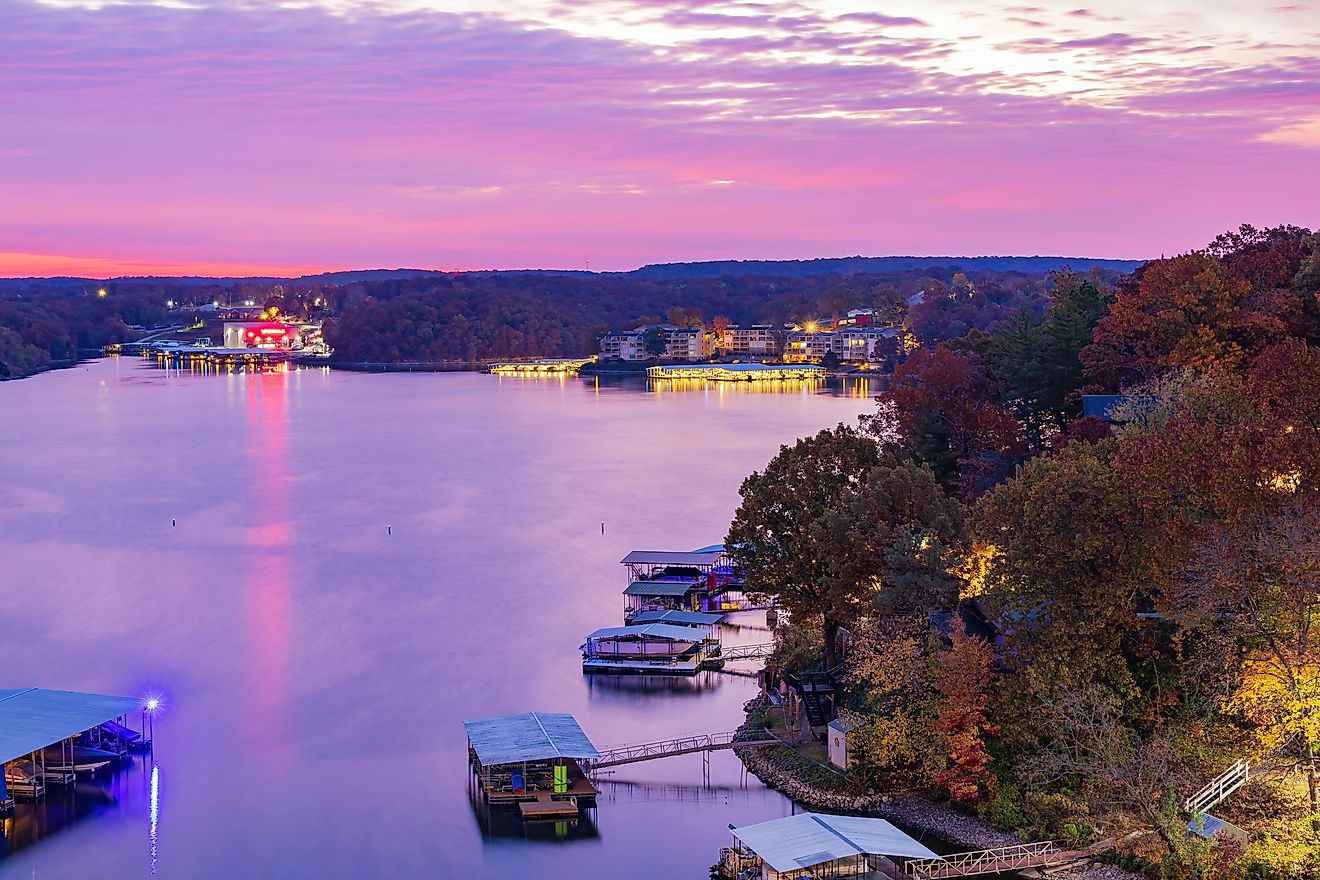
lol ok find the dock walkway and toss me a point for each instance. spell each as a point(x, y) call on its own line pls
point(685, 745)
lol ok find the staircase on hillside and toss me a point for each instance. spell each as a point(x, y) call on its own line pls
point(1218, 789)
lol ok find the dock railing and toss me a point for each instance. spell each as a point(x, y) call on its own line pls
point(990, 861)
point(685, 745)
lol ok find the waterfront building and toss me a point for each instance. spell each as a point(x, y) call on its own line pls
point(259, 334)
point(819, 845)
point(623, 345)
point(809, 345)
point(756, 340)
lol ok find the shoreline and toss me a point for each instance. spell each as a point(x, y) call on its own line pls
point(775, 767)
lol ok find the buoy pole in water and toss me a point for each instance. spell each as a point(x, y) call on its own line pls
point(389, 530)
point(602, 528)
point(174, 522)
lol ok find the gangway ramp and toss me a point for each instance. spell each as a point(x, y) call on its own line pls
point(1020, 857)
point(683, 745)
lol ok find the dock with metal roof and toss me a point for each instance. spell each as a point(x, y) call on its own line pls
point(817, 844)
point(532, 759)
point(37, 724)
point(651, 649)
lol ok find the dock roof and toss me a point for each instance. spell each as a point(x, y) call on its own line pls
point(530, 736)
point(672, 557)
point(807, 839)
point(33, 718)
point(682, 618)
point(665, 631)
point(659, 588)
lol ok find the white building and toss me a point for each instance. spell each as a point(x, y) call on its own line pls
point(756, 340)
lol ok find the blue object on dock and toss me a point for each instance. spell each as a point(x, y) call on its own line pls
point(516, 781)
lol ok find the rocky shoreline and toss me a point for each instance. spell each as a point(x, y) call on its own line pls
point(778, 768)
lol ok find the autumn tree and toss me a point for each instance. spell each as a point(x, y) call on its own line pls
point(1261, 581)
point(961, 682)
point(783, 537)
point(946, 411)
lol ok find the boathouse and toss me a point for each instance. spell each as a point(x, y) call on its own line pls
point(532, 760)
point(40, 730)
point(676, 580)
point(653, 648)
point(679, 618)
point(819, 845)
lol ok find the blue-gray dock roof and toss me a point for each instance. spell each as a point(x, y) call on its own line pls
point(665, 631)
point(33, 718)
point(682, 618)
point(806, 839)
point(659, 588)
point(530, 736)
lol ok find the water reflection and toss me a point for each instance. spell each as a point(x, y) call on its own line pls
point(107, 793)
point(506, 823)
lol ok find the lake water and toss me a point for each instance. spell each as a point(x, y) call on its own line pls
point(358, 563)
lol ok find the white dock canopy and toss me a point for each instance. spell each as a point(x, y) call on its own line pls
point(681, 618)
point(530, 736)
point(665, 631)
point(33, 718)
point(690, 559)
point(806, 839)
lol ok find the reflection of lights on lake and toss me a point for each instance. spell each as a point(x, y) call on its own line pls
point(155, 812)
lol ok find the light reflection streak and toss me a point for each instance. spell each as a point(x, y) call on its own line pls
point(155, 814)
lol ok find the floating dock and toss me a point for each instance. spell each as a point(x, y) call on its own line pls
point(653, 649)
point(739, 372)
point(532, 761)
point(541, 367)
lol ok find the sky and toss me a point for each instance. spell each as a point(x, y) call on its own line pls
point(293, 136)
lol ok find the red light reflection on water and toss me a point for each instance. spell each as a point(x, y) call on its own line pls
point(268, 567)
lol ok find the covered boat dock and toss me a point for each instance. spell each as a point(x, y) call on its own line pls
point(819, 845)
point(532, 760)
point(650, 648)
point(43, 733)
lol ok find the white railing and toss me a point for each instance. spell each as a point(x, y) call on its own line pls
point(1219, 788)
point(989, 861)
point(705, 742)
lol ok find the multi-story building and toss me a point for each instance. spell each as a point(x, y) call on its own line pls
point(681, 344)
point(623, 345)
point(809, 345)
point(688, 343)
point(756, 340)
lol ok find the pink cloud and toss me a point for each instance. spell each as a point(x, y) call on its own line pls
point(254, 136)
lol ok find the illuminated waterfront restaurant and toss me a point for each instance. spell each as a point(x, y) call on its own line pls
point(532, 760)
point(738, 372)
point(259, 334)
point(816, 845)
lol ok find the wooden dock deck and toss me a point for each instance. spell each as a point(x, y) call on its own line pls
point(546, 807)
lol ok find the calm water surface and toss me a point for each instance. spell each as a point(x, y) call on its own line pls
point(314, 668)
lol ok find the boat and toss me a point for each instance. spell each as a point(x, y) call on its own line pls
point(79, 759)
point(23, 779)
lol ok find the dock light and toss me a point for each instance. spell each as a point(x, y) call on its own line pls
point(169, 303)
point(152, 704)
point(102, 292)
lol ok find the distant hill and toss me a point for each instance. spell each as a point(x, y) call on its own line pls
point(656, 272)
point(854, 265)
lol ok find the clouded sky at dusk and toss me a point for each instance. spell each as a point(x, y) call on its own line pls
point(223, 136)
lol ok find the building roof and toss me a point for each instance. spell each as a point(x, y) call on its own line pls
point(659, 588)
point(666, 631)
point(682, 618)
point(808, 839)
point(33, 718)
point(1101, 406)
point(530, 736)
point(844, 724)
point(672, 557)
